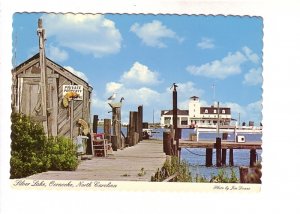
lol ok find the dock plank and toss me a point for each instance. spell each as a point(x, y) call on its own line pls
point(123, 165)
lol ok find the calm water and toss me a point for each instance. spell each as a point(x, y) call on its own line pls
point(195, 157)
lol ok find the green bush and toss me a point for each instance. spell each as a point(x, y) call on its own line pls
point(32, 152)
point(62, 154)
point(223, 178)
point(170, 168)
point(28, 147)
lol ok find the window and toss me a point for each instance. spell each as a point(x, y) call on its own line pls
point(223, 111)
point(215, 111)
point(206, 111)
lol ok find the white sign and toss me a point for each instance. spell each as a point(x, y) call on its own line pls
point(73, 92)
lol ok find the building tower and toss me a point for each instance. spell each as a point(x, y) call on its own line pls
point(194, 110)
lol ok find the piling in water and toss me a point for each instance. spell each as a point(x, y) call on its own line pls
point(218, 152)
point(231, 162)
point(208, 160)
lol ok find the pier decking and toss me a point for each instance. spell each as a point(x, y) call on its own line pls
point(123, 165)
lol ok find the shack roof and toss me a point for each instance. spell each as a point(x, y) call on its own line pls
point(61, 69)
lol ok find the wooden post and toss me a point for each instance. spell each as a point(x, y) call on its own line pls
point(44, 79)
point(231, 161)
point(118, 127)
point(218, 152)
point(224, 153)
point(107, 129)
point(243, 174)
point(140, 122)
point(173, 142)
point(72, 119)
point(136, 137)
point(95, 123)
point(252, 157)
point(167, 143)
point(208, 161)
point(131, 128)
point(116, 124)
point(114, 141)
point(175, 118)
point(135, 122)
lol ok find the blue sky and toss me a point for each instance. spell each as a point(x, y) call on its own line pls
point(140, 56)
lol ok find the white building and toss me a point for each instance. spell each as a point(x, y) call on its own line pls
point(197, 115)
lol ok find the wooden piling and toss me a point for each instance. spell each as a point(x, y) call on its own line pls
point(243, 174)
point(118, 127)
point(218, 152)
point(140, 122)
point(173, 142)
point(176, 139)
point(135, 127)
point(208, 160)
point(131, 129)
point(231, 158)
point(167, 143)
point(224, 154)
point(114, 142)
point(107, 129)
point(116, 124)
point(252, 157)
point(95, 123)
point(224, 151)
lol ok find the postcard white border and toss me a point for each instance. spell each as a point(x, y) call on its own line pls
point(280, 189)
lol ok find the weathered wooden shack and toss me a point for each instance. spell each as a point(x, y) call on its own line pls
point(51, 94)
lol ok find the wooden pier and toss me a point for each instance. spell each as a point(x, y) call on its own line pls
point(221, 150)
point(225, 144)
point(136, 163)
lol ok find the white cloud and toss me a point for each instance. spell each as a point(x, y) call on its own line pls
point(57, 54)
point(188, 89)
point(253, 57)
point(77, 73)
point(206, 43)
point(253, 77)
point(142, 96)
point(112, 87)
point(229, 65)
point(140, 74)
point(153, 33)
point(84, 33)
point(249, 112)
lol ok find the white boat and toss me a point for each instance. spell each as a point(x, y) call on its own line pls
point(228, 129)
